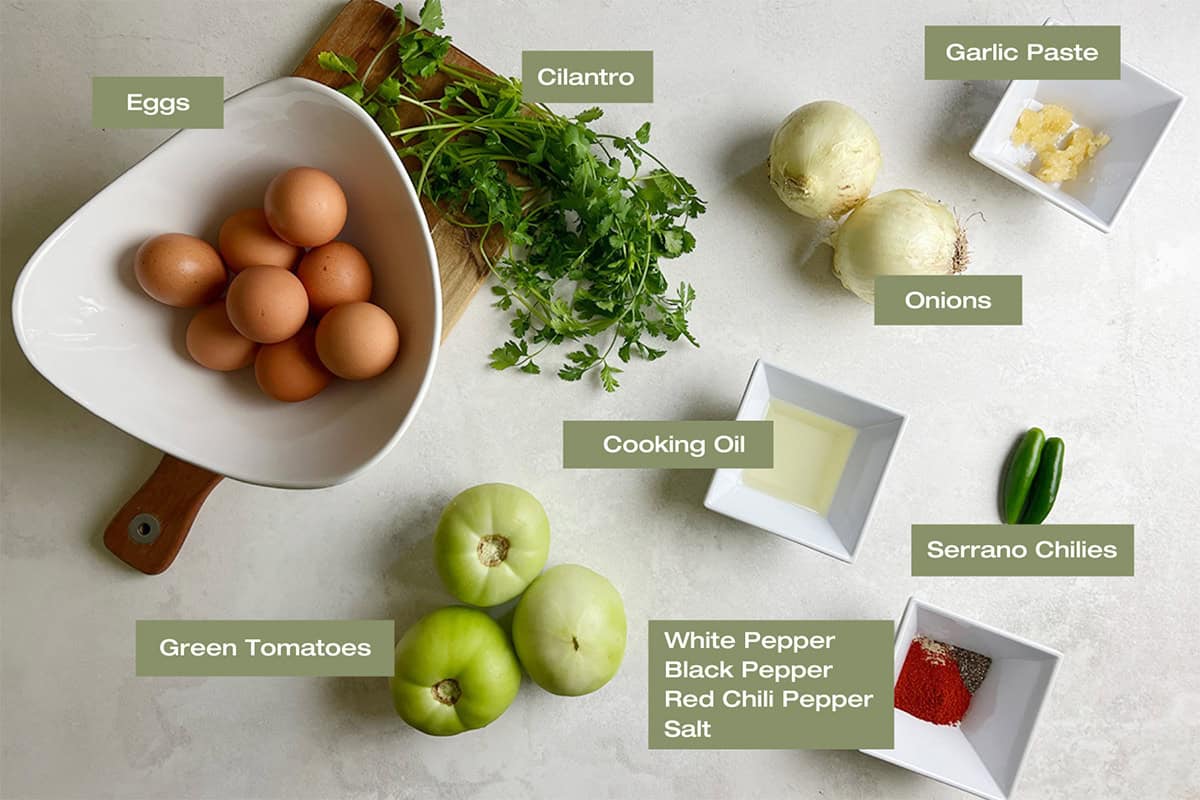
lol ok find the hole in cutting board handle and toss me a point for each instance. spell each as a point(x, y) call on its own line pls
point(144, 528)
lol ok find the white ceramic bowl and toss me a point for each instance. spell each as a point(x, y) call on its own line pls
point(1135, 112)
point(838, 534)
point(84, 323)
point(982, 755)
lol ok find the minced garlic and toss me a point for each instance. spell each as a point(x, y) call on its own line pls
point(1041, 130)
point(1064, 164)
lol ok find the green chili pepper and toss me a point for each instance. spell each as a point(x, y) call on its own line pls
point(1019, 478)
point(1045, 483)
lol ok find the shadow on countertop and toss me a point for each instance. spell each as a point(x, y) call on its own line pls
point(812, 257)
point(408, 587)
point(969, 106)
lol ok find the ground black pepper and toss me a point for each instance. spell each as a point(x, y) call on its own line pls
point(972, 666)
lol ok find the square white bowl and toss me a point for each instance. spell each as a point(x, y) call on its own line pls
point(982, 755)
point(839, 533)
point(1135, 111)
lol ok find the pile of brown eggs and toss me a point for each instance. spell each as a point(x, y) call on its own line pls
point(297, 306)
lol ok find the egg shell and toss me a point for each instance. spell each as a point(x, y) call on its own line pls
point(266, 304)
point(357, 341)
point(213, 342)
point(179, 270)
point(246, 240)
point(305, 206)
point(334, 274)
point(290, 370)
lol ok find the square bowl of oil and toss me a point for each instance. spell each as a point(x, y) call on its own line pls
point(1008, 688)
point(1081, 144)
point(832, 450)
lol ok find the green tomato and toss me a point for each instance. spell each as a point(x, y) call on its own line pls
point(455, 671)
point(491, 541)
point(569, 630)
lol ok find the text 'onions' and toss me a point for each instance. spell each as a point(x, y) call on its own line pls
point(823, 160)
point(901, 232)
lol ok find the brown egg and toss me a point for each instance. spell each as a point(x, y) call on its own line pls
point(290, 370)
point(213, 342)
point(266, 304)
point(246, 240)
point(305, 206)
point(357, 341)
point(179, 270)
point(334, 274)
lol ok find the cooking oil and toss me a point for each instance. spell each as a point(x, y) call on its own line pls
point(811, 452)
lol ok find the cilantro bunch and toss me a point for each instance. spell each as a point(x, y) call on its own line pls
point(586, 216)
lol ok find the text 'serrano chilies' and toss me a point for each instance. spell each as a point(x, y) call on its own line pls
point(586, 216)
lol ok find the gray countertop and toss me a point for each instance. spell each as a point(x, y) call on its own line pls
point(1107, 357)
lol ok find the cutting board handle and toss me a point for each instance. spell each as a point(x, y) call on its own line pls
point(149, 530)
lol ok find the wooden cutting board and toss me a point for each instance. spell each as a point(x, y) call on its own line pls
point(359, 31)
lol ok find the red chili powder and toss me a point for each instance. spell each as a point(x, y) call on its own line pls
point(931, 689)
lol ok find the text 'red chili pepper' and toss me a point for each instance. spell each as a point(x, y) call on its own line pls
point(931, 688)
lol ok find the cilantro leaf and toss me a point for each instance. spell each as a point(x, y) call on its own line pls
point(354, 91)
point(608, 378)
point(388, 90)
point(330, 60)
point(388, 119)
point(508, 355)
point(431, 15)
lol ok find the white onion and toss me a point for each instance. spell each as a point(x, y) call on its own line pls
point(901, 232)
point(823, 160)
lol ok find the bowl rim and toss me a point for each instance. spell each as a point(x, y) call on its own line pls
point(292, 83)
point(916, 604)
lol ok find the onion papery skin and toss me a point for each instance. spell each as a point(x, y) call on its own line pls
point(900, 232)
point(824, 158)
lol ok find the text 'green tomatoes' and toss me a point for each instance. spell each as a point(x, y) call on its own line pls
point(455, 671)
point(491, 541)
point(569, 630)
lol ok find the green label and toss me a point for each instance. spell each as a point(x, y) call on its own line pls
point(780, 684)
point(687, 444)
point(143, 102)
point(1037, 550)
point(948, 300)
point(588, 76)
point(1009, 52)
point(265, 647)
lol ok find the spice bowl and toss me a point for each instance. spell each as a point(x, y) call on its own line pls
point(1135, 112)
point(839, 531)
point(984, 753)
